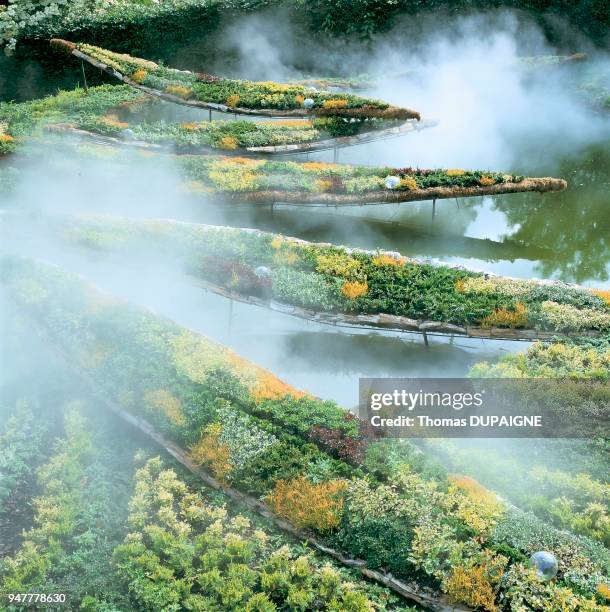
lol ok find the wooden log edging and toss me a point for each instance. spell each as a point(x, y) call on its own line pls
point(394, 196)
point(284, 149)
point(391, 112)
point(388, 322)
point(409, 591)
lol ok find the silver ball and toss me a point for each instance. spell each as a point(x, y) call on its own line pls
point(262, 272)
point(391, 182)
point(545, 564)
point(308, 103)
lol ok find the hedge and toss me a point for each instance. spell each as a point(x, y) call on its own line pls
point(131, 25)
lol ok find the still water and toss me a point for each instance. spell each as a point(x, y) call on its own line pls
point(564, 235)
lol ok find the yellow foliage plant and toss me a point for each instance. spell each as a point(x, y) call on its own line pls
point(309, 505)
point(211, 453)
point(503, 317)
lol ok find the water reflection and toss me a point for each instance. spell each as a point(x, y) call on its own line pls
point(559, 235)
point(575, 223)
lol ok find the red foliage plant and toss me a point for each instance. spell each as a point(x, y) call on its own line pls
point(349, 448)
point(413, 171)
point(204, 77)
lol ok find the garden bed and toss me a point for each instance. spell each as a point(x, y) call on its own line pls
point(243, 180)
point(313, 463)
point(346, 286)
point(88, 536)
point(233, 137)
point(229, 95)
point(318, 183)
point(111, 114)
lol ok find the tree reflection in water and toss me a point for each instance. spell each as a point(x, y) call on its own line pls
point(574, 224)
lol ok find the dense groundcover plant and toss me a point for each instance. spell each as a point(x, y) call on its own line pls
point(449, 532)
point(336, 279)
point(20, 444)
point(59, 512)
point(568, 498)
point(236, 94)
point(114, 111)
point(582, 360)
point(203, 559)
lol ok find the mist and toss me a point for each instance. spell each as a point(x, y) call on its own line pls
point(465, 73)
point(492, 115)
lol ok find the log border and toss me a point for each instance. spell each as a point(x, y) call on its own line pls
point(389, 196)
point(388, 322)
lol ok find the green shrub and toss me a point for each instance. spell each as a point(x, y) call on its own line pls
point(184, 554)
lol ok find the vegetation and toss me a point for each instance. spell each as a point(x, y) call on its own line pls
point(20, 443)
point(400, 513)
point(336, 279)
point(568, 499)
point(20, 121)
point(133, 24)
point(68, 548)
point(235, 175)
point(174, 551)
point(233, 95)
point(581, 360)
point(182, 553)
point(119, 21)
point(575, 495)
point(114, 111)
point(308, 466)
point(85, 482)
point(365, 18)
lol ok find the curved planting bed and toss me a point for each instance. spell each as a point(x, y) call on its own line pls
point(339, 285)
point(244, 180)
point(239, 137)
point(230, 95)
point(110, 114)
point(572, 490)
point(314, 464)
point(77, 108)
point(262, 181)
point(94, 525)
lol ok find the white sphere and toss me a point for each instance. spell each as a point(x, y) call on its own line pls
point(545, 564)
point(308, 103)
point(262, 272)
point(391, 182)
